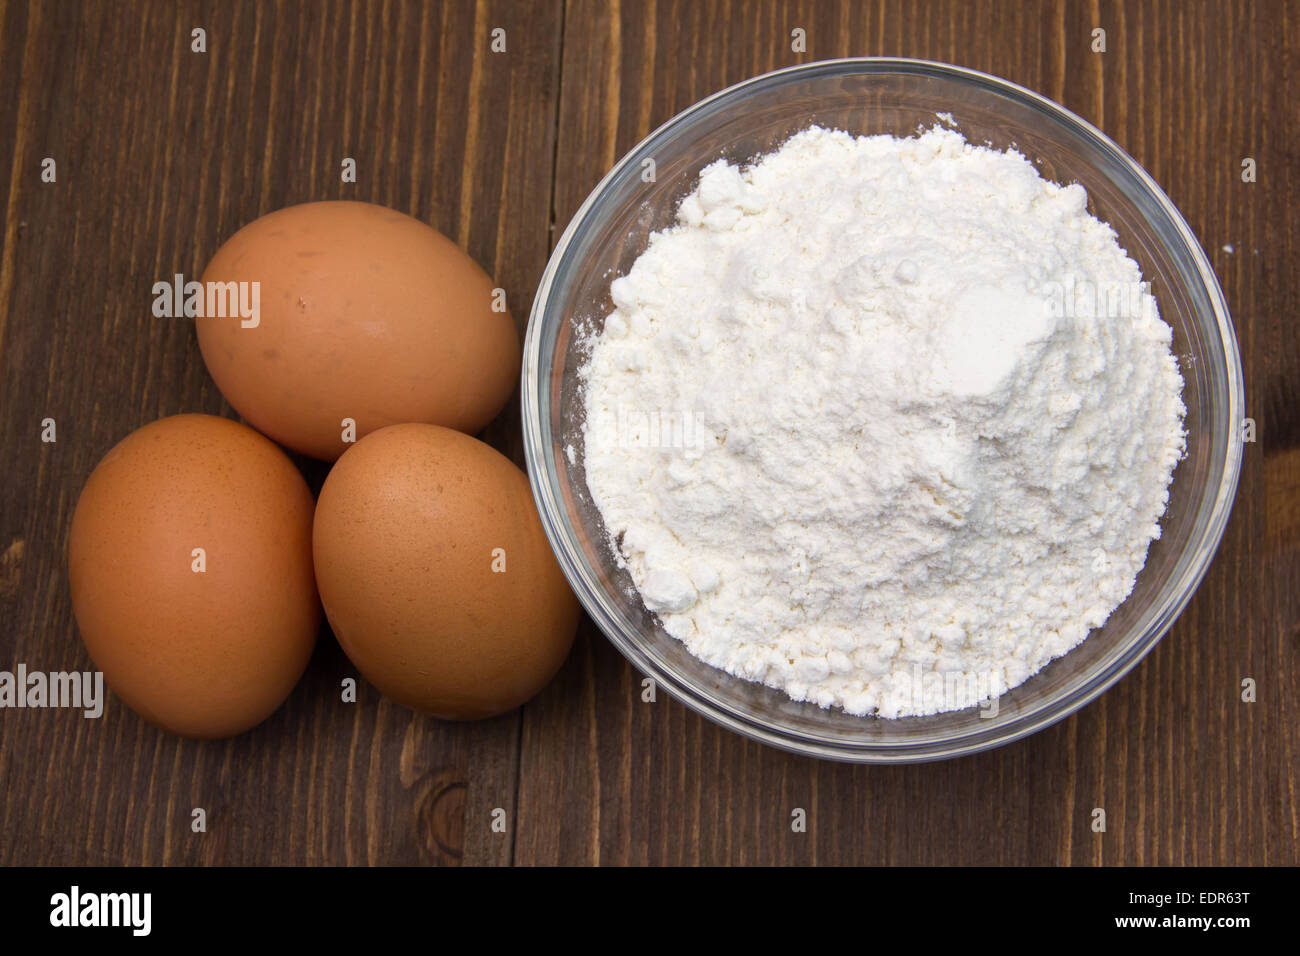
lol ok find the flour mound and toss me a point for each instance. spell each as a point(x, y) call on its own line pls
point(885, 423)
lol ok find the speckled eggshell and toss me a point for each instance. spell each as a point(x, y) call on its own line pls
point(208, 653)
point(409, 527)
point(365, 314)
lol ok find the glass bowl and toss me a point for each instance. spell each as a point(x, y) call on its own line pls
point(868, 96)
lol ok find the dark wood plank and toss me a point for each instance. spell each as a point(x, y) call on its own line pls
point(1186, 771)
point(162, 154)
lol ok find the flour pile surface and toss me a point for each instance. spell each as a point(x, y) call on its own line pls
point(885, 423)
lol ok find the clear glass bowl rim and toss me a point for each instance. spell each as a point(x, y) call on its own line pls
point(543, 476)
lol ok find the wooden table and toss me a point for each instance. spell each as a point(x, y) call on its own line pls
point(163, 152)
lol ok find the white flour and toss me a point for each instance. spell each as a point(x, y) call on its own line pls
point(880, 418)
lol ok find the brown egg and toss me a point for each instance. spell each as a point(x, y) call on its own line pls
point(191, 574)
point(364, 314)
point(436, 575)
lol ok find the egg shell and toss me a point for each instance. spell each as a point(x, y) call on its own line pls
point(208, 653)
point(409, 527)
point(365, 314)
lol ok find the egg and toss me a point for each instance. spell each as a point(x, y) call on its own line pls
point(360, 317)
point(436, 575)
point(189, 560)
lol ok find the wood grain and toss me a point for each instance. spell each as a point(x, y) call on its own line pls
point(162, 153)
